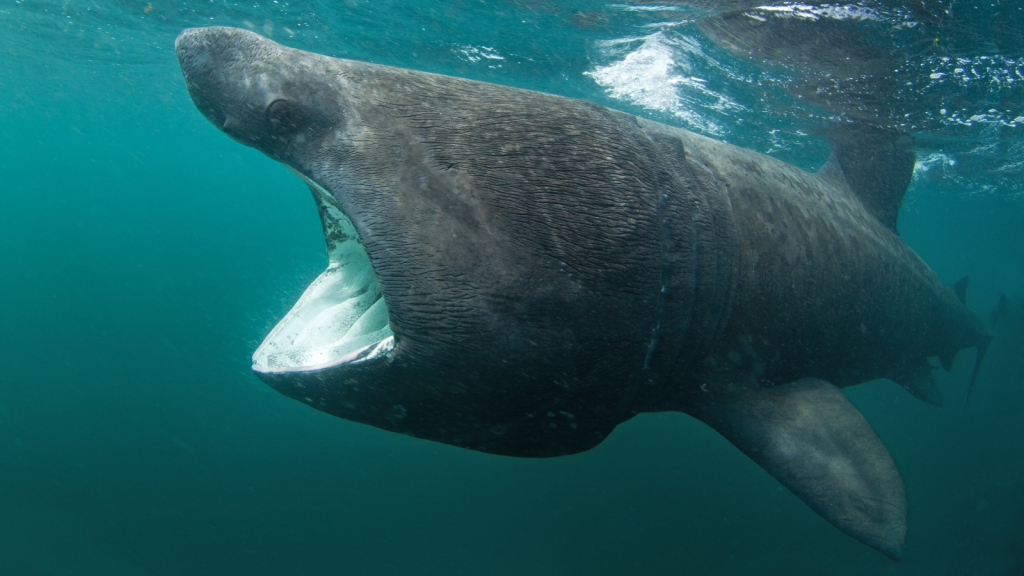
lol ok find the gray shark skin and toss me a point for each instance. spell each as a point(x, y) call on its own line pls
point(518, 273)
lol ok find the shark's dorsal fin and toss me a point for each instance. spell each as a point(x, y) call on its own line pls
point(876, 164)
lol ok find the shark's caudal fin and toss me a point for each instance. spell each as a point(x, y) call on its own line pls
point(960, 289)
point(982, 349)
point(994, 318)
point(811, 439)
point(877, 165)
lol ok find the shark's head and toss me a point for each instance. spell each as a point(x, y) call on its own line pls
point(494, 256)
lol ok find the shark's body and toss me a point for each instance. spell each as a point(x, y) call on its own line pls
point(538, 270)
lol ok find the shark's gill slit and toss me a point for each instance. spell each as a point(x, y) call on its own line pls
point(341, 318)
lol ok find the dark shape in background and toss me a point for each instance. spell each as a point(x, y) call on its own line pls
point(1002, 374)
point(889, 65)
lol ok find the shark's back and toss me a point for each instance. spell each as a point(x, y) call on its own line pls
point(825, 287)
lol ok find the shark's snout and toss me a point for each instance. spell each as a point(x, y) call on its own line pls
point(229, 81)
point(185, 40)
point(192, 49)
point(196, 41)
point(198, 66)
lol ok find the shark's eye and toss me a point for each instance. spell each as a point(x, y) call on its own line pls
point(284, 117)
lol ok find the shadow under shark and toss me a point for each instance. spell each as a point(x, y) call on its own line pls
point(518, 273)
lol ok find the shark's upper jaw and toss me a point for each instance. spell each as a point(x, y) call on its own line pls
point(341, 318)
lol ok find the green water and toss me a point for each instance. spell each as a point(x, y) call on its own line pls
point(144, 255)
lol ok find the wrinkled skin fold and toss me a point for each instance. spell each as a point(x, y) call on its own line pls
point(518, 273)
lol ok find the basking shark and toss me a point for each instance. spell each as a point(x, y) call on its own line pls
point(518, 273)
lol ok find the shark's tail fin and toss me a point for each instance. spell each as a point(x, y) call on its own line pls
point(994, 318)
point(982, 348)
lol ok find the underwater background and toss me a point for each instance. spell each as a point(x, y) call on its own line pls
point(144, 256)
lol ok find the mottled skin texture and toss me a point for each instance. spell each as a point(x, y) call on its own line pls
point(552, 268)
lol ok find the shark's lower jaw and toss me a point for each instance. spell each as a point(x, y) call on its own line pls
point(341, 318)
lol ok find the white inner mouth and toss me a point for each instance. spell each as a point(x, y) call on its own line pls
point(341, 318)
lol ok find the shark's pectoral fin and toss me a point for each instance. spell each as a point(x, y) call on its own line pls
point(812, 439)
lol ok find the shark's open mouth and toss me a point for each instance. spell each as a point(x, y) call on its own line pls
point(341, 318)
